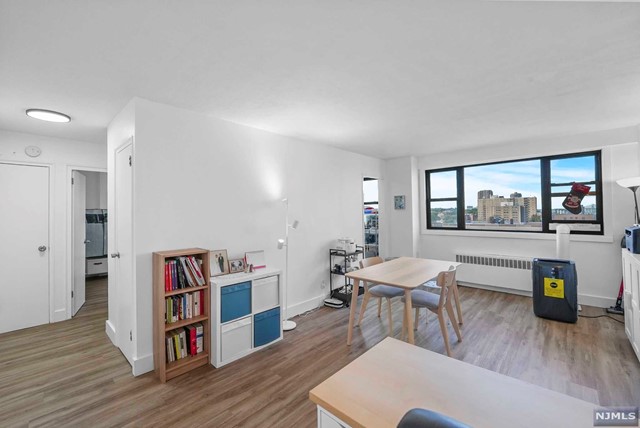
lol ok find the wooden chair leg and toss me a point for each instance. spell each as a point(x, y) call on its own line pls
point(415, 323)
point(390, 317)
point(379, 307)
point(456, 296)
point(452, 317)
point(404, 325)
point(445, 335)
point(365, 301)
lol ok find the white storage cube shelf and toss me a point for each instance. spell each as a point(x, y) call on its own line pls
point(234, 338)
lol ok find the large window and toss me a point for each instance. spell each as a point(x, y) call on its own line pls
point(531, 195)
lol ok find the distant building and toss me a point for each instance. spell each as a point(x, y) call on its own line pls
point(485, 194)
point(515, 209)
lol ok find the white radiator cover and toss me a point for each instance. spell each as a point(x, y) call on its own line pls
point(495, 270)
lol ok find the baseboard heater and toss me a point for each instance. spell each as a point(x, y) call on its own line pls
point(495, 260)
point(495, 271)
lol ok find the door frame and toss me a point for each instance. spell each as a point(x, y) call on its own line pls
point(50, 169)
point(380, 209)
point(69, 235)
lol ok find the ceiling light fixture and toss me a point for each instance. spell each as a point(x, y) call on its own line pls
point(48, 115)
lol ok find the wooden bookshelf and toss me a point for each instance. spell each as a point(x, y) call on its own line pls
point(168, 370)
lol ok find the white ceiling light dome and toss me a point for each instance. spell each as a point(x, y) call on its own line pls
point(48, 115)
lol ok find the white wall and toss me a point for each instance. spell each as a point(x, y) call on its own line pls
point(204, 182)
point(402, 179)
point(96, 189)
point(60, 155)
point(597, 258)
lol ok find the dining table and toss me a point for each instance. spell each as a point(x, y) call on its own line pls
point(407, 273)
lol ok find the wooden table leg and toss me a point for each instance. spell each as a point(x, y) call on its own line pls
point(407, 314)
point(457, 299)
point(352, 309)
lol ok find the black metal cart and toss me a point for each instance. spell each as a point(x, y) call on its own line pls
point(338, 264)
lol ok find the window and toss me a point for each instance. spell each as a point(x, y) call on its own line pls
point(518, 196)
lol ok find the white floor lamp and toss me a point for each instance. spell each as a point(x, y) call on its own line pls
point(287, 324)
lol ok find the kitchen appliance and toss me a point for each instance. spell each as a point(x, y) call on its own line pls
point(346, 244)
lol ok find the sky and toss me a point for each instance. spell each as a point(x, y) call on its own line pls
point(521, 176)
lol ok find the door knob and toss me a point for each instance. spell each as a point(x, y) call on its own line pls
point(42, 248)
point(115, 255)
point(86, 241)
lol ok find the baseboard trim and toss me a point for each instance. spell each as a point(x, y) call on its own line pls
point(307, 305)
point(142, 365)
point(583, 299)
point(111, 332)
point(59, 315)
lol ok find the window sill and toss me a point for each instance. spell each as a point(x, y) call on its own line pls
point(605, 239)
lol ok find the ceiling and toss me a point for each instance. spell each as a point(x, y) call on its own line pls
point(383, 78)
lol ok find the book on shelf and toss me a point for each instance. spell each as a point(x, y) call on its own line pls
point(194, 265)
point(183, 272)
point(184, 306)
point(191, 339)
point(183, 342)
point(199, 337)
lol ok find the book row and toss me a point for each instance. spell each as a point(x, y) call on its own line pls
point(184, 306)
point(183, 272)
point(184, 342)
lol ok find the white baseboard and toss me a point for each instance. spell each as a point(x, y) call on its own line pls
point(583, 299)
point(111, 332)
point(59, 315)
point(597, 301)
point(142, 365)
point(307, 305)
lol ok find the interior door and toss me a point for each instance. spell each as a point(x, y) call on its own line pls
point(24, 246)
point(79, 209)
point(123, 254)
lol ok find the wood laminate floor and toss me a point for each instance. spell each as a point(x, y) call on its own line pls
point(69, 374)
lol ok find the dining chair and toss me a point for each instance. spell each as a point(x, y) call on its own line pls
point(433, 287)
point(437, 303)
point(378, 291)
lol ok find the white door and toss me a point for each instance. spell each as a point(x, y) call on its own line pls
point(79, 227)
point(24, 246)
point(123, 245)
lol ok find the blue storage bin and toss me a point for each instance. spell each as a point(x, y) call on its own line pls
point(266, 327)
point(235, 301)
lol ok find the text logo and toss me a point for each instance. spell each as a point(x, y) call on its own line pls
point(615, 417)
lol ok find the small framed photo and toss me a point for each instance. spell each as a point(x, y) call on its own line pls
point(237, 265)
point(255, 258)
point(398, 202)
point(219, 262)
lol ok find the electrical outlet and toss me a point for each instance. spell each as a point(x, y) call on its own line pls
point(323, 284)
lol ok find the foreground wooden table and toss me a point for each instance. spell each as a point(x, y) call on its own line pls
point(403, 272)
point(380, 386)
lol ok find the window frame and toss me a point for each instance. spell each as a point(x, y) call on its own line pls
point(546, 194)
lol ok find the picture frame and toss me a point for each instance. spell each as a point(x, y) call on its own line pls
point(219, 262)
point(236, 265)
point(255, 258)
point(399, 202)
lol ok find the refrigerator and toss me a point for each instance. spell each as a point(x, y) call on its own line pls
point(96, 220)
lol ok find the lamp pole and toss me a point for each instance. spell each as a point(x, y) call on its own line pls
point(286, 323)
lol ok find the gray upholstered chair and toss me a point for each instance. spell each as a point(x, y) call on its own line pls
point(437, 303)
point(378, 291)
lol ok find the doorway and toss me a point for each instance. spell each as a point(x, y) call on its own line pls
point(89, 237)
point(371, 224)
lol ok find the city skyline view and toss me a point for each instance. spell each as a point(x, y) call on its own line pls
point(515, 177)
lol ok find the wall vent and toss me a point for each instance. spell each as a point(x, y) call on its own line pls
point(495, 260)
